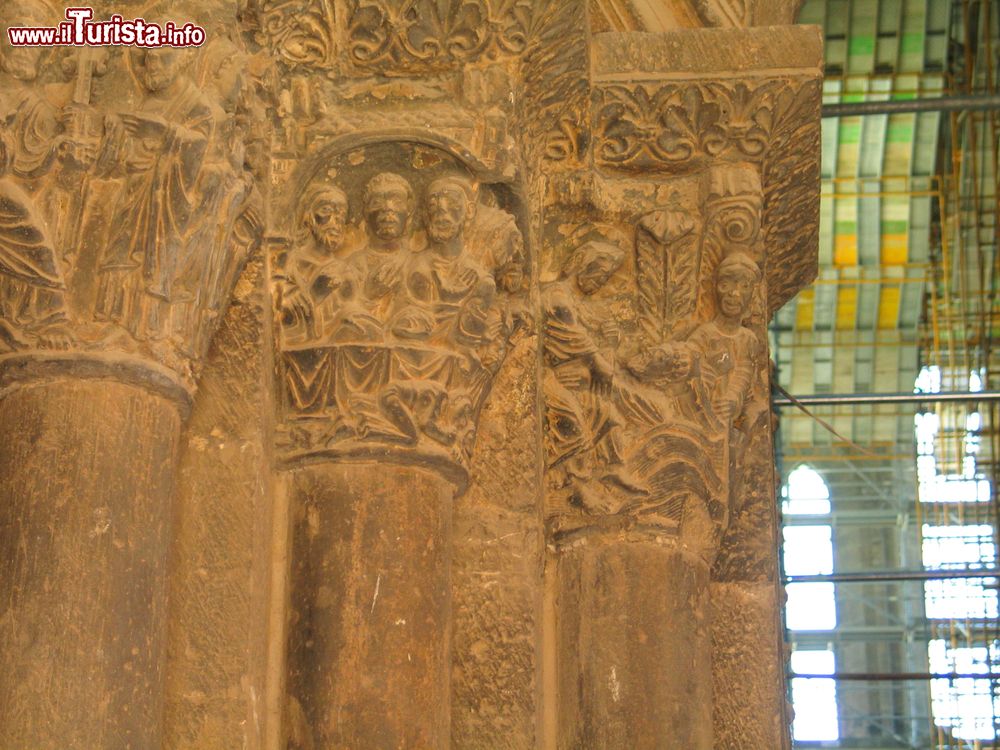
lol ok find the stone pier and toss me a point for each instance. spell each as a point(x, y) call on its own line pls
point(394, 374)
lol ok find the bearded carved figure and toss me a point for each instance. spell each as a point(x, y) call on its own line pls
point(399, 296)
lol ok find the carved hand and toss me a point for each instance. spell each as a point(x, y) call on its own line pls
point(680, 362)
point(603, 375)
point(78, 152)
point(384, 280)
point(295, 302)
point(145, 125)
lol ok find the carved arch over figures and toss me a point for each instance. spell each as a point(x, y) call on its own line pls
point(392, 326)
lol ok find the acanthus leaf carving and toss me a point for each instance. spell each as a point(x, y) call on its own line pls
point(675, 127)
point(431, 34)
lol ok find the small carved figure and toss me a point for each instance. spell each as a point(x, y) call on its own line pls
point(315, 278)
point(162, 146)
point(388, 209)
point(584, 425)
point(442, 279)
point(728, 350)
point(32, 286)
point(225, 191)
point(29, 120)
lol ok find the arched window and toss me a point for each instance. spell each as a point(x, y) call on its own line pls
point(812, 605)
point(805, 493)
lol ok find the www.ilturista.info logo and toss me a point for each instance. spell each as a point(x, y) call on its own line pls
point(78, 30)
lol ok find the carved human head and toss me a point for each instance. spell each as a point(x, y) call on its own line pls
point(449, 204)
point(157, 69)
point(221, 67)
point(22, 63)
point(735, 281)
point(325, 215)
point(593, 265)
point(388, 205)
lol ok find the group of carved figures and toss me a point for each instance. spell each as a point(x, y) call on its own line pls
point(392, 331)
point(604, 389)
point(393, 327)
point(153, 201)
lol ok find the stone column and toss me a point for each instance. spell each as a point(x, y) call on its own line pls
point(609, 627)
point(86, 477)
point(125, 224)
point(398, 294)
point(673, 245)
point(371, 604)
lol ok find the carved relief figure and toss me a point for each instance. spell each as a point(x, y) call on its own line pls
point(641, 416)
point(728, 350)
point(307, 312)
point(225, 191)
point(320, 294)
point(443, 279)
point(388, 210)
point(32, 285)
point(392, 330)
point(162, 146)
point(584, 424)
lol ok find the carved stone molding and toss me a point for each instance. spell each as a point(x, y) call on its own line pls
point(669, 15)
point(648, 118)
point(680, 127)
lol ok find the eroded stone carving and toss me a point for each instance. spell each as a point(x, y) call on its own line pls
point(393, 327)
point(424, 153)
point(675, 126)
point(125, 224)
point(660, 361)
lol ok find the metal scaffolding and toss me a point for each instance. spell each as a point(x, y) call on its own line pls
point(908, 287)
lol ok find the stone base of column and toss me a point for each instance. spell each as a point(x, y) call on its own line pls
point(633, 646)
point(368, 658)
point(86, 477)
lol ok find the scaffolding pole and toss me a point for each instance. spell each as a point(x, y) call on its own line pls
point(894, 575)
point(847, 399)
point(963, 103)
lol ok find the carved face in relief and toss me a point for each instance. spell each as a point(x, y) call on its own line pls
point(222, 66)
point(22, 63)
point(447, 208)
point(597, 263)
point(388, 205)
point(326, 217)
point(735, 281)
point(158, 69)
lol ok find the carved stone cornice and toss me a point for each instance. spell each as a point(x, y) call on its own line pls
point(675, 103)
point(399, 36)
point(670, 15)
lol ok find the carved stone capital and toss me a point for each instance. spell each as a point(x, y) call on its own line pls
point(400, 286)
point(127, 210)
